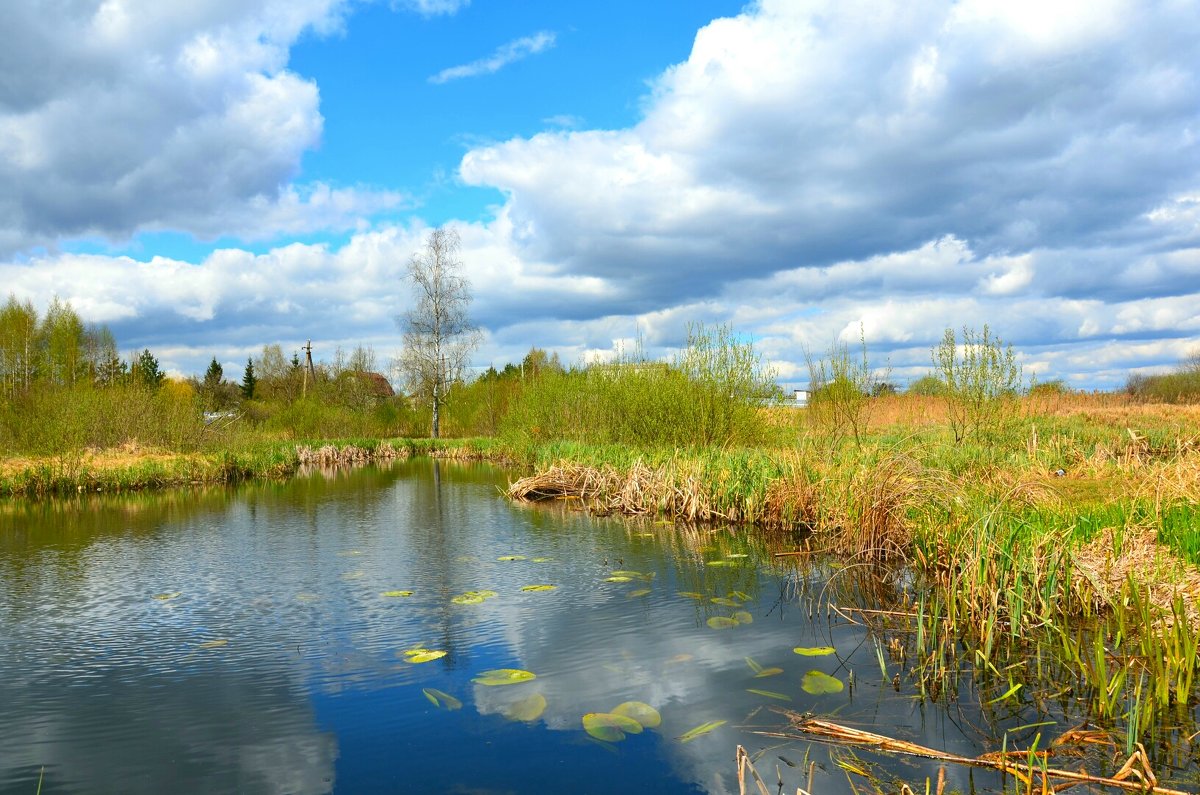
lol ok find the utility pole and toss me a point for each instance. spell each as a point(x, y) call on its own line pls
point(308, 369)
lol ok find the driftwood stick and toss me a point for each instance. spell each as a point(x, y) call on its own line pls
point(1135, 775)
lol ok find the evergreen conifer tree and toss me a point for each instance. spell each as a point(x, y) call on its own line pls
point(249, 380)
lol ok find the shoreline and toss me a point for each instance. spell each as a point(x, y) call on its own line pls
point(139, 469)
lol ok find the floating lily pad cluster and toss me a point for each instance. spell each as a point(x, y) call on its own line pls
point(527, 709)
point(440, 699)
point(625, 575)
point(473, 597)
point(736, 618)
point(761, 672)
point(816, 682)
point(420, 654)
point(504, 676)
point(819, 684)
point(630, 717)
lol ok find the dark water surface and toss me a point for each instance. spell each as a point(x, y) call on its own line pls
point(278, 666)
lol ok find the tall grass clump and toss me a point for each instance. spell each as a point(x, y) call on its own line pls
point(709, 395)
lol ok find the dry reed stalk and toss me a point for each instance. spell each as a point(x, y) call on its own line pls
point(330, 455)
point(565, 480)
point(877, 525)
point(913, 411)
point(641, 491)
point(1134, 775)
point(744, 766)
point(791, 502)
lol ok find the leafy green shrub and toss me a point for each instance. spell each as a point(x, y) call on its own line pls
point(928, 386)
point(1181, 386)
point(842, 386)
point(981, 380)
point(709, 395)
point(49, 420)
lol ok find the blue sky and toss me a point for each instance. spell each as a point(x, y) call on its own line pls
point(210, 177)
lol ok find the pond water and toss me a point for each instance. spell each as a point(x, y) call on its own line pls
point(224, 640)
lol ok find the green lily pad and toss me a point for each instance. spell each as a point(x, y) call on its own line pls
point(742, 617)
point(768, 672)
point(721, 622)
point(349, 553)
point(754, 666)
point(640, 711)
point(819, 683)
point(699, 731)
point(162, 597)
point(213, 644)
point(423, 655)
point(721, 600)
point(692, 594)
point(511, 557)
point(720, 563)
point(618, 578)
point(814, 651)
point(638, 592)
point(745, 597)
point(441, 700)
point(542, 560)
point(538, 587)
point(527, 709)
point(396, 593)
point(610, 727)
point(769, 694)
point(504, 676)
point(473, 597)
point(627, 573)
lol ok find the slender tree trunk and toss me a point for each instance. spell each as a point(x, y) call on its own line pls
point(437, 399)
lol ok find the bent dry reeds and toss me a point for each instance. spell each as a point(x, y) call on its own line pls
point(1031, 768)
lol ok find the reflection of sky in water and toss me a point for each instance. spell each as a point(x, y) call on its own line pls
point(112, 689)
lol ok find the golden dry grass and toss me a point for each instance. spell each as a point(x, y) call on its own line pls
point(1115, 558)
point(127, 455)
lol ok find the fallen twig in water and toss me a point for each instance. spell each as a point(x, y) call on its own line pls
point(1134, 775)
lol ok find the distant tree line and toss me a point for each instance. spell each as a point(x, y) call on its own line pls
point(58, 349)
point(1180, 386)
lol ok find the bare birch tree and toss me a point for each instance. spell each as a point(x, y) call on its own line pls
point(438, 335)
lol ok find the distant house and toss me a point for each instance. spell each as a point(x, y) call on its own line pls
point(800, 396)
point(377, 386)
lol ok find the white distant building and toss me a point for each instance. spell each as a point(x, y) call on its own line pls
point(800, 396)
